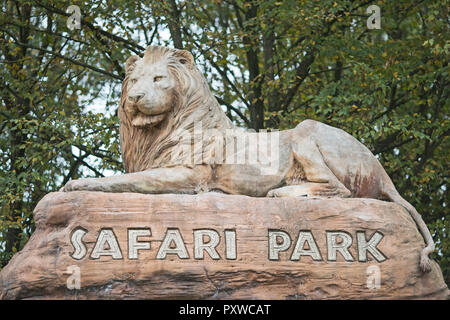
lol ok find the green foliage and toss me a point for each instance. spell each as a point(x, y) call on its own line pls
point(271, 63)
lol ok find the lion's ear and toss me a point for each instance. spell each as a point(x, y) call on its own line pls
point(131, 63)
point(185, 57)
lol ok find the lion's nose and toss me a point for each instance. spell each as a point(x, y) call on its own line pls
point(135, 98)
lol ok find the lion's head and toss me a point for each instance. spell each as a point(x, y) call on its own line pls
point(163, 94)
point(154, 84)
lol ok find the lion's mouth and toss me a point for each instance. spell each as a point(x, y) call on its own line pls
point(143, 120)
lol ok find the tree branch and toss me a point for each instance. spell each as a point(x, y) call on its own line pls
point(132, 46)
point(112, 75)
point(229, 106)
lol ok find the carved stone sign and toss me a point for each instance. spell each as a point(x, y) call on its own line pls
point(111, 246)
point(175, 138)
point(278, 241)
point(326, 236)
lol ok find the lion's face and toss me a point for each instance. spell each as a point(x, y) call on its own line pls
point(153, 88)
point(150, 93)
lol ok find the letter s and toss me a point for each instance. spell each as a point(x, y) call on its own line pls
point(77, 243)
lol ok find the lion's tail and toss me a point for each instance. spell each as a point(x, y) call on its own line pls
point(392, 194)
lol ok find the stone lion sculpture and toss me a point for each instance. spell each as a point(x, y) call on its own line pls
point(166, 99)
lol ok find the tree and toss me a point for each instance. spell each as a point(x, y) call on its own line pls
point(271, 64)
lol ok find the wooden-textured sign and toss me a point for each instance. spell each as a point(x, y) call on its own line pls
point(106, 245)
point(278, 241)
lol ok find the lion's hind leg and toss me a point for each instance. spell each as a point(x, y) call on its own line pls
point(310, 176)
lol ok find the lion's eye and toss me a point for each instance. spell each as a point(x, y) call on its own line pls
point(158, 78)
point(133, 81)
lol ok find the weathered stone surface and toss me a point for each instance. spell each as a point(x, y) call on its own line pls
point(39, 271)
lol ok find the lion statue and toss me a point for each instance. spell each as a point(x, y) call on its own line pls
point(166, 103)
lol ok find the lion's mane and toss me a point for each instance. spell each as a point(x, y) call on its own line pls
point(162, 145)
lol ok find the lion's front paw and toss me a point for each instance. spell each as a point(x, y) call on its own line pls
point(71, 185)
point(88, 184)
point(287, 192)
